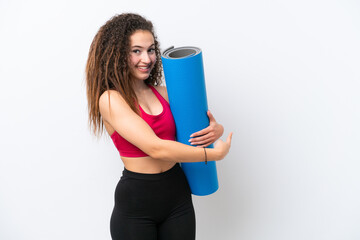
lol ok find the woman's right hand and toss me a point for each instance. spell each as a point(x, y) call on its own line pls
point(223, 147)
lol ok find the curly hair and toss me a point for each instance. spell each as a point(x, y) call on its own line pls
point(107, 65)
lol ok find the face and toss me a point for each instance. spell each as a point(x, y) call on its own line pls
point(142, 54)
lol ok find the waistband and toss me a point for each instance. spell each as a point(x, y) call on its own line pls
point(153, 176)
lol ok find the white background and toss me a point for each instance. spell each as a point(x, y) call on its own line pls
point(283, 75)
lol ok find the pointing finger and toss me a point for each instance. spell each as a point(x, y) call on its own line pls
point(228, 140)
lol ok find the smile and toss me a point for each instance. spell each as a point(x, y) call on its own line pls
point(144, 68)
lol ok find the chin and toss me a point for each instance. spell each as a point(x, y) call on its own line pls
point(140, 75)
point(143, 77)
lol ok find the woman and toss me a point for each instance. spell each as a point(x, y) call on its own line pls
point(123, 76)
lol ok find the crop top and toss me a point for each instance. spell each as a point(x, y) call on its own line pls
point(162, 124)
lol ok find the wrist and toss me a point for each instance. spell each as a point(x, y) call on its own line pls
point(214, 154)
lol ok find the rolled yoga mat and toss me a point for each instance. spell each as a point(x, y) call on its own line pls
point(185, 83)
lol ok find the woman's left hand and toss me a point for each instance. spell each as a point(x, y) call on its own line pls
point(209, 135)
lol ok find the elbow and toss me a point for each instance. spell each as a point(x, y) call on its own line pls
point(158, 150)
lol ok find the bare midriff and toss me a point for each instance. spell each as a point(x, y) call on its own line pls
point(146, 164)
point(142, 164)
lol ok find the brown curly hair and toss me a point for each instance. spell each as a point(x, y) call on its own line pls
point(107, 65)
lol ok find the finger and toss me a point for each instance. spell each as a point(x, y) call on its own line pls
point(209, 135)
point(201, 132)
point(203, 146)
point(228, 140)
point(211, 117)
point(207, 140)
point(202, 143)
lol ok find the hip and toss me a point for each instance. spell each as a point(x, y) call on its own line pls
point(139, 192)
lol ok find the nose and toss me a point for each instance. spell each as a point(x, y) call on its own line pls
point(145, 58)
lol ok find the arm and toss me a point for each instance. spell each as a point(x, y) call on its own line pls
point(206, 136)
point(209, 135)
point(135, 130)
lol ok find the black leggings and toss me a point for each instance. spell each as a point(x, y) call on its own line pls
point(153, 207)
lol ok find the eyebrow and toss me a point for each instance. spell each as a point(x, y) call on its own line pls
point(136, 46)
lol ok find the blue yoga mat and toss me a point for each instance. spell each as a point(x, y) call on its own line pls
point(185, 83)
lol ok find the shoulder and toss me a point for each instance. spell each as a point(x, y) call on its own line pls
point(109, 93)
point(163, 92)
point(110, 96)
point(112, 101)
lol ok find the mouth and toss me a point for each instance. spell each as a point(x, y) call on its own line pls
point(144, 69)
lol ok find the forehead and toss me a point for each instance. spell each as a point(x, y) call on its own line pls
point(141, 38)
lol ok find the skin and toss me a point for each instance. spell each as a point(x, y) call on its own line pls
point(208, 135)
point(163, 154)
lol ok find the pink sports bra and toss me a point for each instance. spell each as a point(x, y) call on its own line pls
point(162, 124)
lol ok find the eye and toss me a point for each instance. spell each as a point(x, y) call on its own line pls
point(151, 50)
point(136, 51)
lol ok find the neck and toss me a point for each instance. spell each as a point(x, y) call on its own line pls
point(139, 87)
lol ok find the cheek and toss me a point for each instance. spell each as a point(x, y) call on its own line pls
point(153, 59)
point(132, 61)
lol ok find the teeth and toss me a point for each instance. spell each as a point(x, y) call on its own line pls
point(143, 67)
